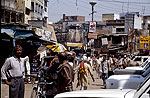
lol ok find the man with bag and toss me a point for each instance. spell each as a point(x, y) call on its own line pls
point(83, 72)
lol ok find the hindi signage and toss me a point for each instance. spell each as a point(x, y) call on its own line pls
point(144, 42)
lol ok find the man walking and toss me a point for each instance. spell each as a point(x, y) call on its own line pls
point(65, 74)
point(13, 73)
point(104, 68)
point(83, 72)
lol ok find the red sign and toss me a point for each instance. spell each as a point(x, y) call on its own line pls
point(92, 27)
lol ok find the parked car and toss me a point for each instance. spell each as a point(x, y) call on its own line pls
point(137, 60)
point(134, 70)
point(143, 91)
point(126, 81)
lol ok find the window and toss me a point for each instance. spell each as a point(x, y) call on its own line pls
point(27, 11)
point(39, 7)
point(41, 10)
point(45, 9)
point(45, 3)
point(36, 8)
point(145, 59)
point(32, 6)
point(138, 59)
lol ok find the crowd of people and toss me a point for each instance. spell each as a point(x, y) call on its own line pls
point(61, 69)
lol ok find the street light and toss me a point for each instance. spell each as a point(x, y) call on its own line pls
point(92, 4)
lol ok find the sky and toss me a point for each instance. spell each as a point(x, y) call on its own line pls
point(56, 8)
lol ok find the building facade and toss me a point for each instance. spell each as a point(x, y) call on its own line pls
point(12, 11)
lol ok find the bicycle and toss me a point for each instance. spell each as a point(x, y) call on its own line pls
point(44, 87)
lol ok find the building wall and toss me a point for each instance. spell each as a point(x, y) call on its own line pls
point(146, 22)
point(73, 18)
point(80, 18)
point(37, 9)
point(137, 22)
point(27, 11)
point(12, 11)
point(110, 17)
point(45, 14)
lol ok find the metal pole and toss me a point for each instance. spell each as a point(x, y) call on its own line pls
point(92, 12)
point(92, 4)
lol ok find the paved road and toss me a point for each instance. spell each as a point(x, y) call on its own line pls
point(28, 87)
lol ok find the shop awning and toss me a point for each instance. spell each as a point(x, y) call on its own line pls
point(22, 34)
point(74, 44)
point(8, 32)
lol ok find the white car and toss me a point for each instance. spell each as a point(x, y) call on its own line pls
point(143, 66)
point(134, 70)
point(137, 60)
point(143, 91)
point(126, 81)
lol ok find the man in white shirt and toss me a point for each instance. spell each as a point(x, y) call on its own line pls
point(104, 68)
point(13, 73)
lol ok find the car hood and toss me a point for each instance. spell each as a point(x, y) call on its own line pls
point(124, 77)
point(100, 93)
point(135, 68)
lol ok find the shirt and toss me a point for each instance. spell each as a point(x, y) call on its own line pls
point(13, 68)
point(83, 78)
point(105, 66)
point(65, 76)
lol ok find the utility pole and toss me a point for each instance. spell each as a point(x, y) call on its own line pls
point(92, 4)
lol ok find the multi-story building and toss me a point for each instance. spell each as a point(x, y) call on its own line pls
point(27, 11)
point(45, 14)
point(133, 20)
point(73, 18)
point(111, 16)
point(39, 10)
point(12, 11)
point(146, 22)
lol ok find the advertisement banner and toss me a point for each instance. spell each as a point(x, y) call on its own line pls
point(144, 42)
point(104, 41)
point(92, 27)
point(92, 35)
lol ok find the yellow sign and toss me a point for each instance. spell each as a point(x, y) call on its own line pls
point(145, 42)
point(92, 35)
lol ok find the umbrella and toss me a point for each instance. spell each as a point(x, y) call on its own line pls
point(57, 47)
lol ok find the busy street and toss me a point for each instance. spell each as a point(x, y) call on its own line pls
point(93, 85)
point(75, 48)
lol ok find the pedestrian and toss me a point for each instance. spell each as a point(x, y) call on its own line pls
point(13, 73)
point(104, 68)
point(125, 62)
point(96, 66)
point(111, 66)
point(120, 62)
point(84, 69)
point(65, 74)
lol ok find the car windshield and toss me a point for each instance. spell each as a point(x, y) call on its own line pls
point(146, 72)
point(147, 78)
point(137, 59)
point(145, 59)
point(145, 63)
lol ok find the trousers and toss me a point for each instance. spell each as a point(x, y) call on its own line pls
point(16, 90)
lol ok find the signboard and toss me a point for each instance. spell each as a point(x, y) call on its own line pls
point(104, 41)
point(144, 42)
point(46, 35)
point(92, 35)
point(92, 27)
